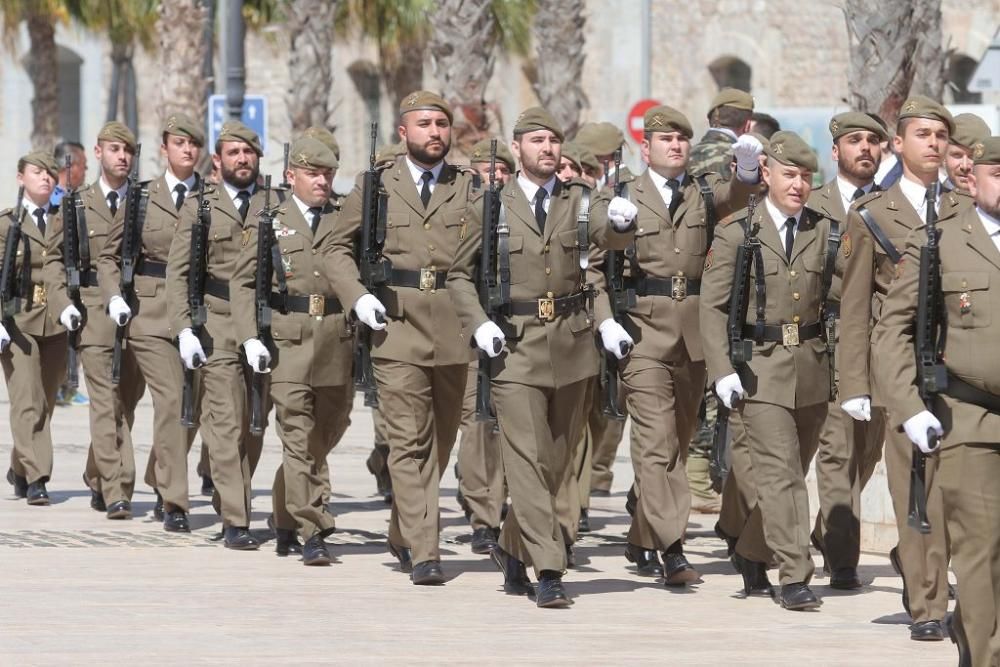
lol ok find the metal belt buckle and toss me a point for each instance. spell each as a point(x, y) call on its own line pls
point(39, 296)
point(428, 279)
point(679, 287)
point(789, 335)
point(546, 309)
point(316, 304)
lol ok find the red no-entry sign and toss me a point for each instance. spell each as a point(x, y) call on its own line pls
point(635, 117)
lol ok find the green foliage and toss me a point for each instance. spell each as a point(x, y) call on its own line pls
point(124, 21)
point(514, 24)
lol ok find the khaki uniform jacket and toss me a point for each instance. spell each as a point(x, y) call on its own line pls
point(98, 329)
point(794, 376)
point(35, 317)
point(663, 328)
point(827, 201)
point(423, 328)
point(970, 282)
point(538, 353)
point(305, 349)
point(226, 237)
point(867, 275)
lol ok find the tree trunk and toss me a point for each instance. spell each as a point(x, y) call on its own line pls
point(43, 70)
point(310, 62)
point(404, 73)
point(181, 55)
point(559, 46)
point(895, 51)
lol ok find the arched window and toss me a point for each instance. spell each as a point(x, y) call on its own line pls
point(961, 69)
point(69, 93)
point(731, 72)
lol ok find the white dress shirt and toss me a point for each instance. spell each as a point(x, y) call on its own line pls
point(991, 225)
point(916, 195)
point(172, 182)
point(661, 186)
point(107, 189)
point(780, 219)
point(847, 191)
point(530, 190)
point(417, 172)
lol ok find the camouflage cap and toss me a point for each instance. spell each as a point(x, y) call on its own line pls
point(537, 118)
point(987, 151)
point(666, 119)
point(853, 121)
point(324, 135)
point(234, 130)
point(920, 106)
point(116, 131)
point(44, 160)
point(481, 153)
point(789, 148)
point(573, 152)
point(182, 125)
point(309, 153)
point(425, 100)
point(732, 97)
point(388, 153)
point(601, 138)
point(970, 129)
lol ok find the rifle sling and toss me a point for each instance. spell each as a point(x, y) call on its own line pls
point(503, 253)
point(760, 290)
point(583, 233)
point(82, 238)
point(879, 236)
point(711, 217)
point(832, 248)
point(963, 391)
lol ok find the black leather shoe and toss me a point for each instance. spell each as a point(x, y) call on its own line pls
point(286, 542)
point(97, 501)
point(239, 539)
point(798, 597)
point(845, 579)
point(631, 500)
point(755, 581)
point(120, 509)
point(820, 548)
point(19, 483)
point(378, 466)
point(37, 495)
point(207, 485)
point(583, 523)
point(464, 504)
point(158, 507)
point(898, 567)
point(550, 591)
point(730, 541)
point(570, 556)
point(926, 631)
point(483, 540)
point(314, 551)
point(403, 555)
point(515, 575)
point(647, 563)
point(959, 639)
point(427, 573)
point(176, 521)
point(677, 571)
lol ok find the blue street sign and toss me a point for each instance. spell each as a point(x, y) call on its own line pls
point(254, 117)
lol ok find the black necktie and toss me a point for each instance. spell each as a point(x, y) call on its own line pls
point(315, 212)
point(789, 236)
point(540, 208)
point(244, 206)
point(858, 194)
point(425, 189)
point(180, 189)
point(113, 202)
point(675, 199)
point(40, 219)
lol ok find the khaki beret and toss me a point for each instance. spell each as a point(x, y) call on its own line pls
point(234, 130)
point(574, 153)
point(324, 135)
point(732, 97)
point(600, 138)
point(309, 153)
point(987, 151)
point(43, 160)
point(388, 153)
point(970, 129)
point(182, 125)
point(854, 121)
point(116, 131)
point(666, 119)
point(481, 153)
point(789, 148)
point(537, 118)
point(920, 106)
point(425, 100)
point(588, 159)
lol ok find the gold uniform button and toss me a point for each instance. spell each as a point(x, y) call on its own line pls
point(677, 251)
point(314, 251)
point(316, 273)
point(965, 284)
point(91, 232)
point(549, 295)
point(795, 319)
point(284, 251)
point(640, 230)
point(430, 247)
point(215, 237)
point(795, 295)
point(546, 248)
point(548, 271)
point(43, 253)
point(792, 273)
point(427, 225)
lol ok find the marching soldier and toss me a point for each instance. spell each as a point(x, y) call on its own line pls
point(32, 346)
point(970, 130)
point(877, 227)
point(848, 449)
point(421, 354)
point(539, 382)
point(729, 116)
point(602, 140)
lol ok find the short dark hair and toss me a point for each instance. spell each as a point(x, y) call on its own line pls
point(20, 165)
point(64, 148)
point(765, 124)
point(729, 117)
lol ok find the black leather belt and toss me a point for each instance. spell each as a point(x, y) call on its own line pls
point(152, 269)
point(314, 305)
point(786, 334)
point(963, 391)
point(676, 287)
point(549, 308)
point(422, 279)
point(217, 288)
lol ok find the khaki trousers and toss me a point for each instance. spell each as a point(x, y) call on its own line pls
point(595, 457)
point(480, 471)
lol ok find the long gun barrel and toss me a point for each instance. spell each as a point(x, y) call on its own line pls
point(262, 299)
point(196, 299)
point(135, 214)
point(491, 296)
point(71, 261)
point(622, 299)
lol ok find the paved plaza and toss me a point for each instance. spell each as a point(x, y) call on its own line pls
point(80, 589)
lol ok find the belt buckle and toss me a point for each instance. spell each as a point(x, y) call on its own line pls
point(547, 309)
point(789, 335)
point(428, 279)
point(678, 287)
point(38, 296)
point(316, 305)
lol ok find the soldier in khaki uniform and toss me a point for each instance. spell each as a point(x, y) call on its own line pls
point(871, 253)
point(785, 386)
point(420, 355)
point(32, 345)
point(310, 346)
point(729, 116)
point(539, 382)
point(848, 449)
point(110, 468)
point(222, 383)
point(967, 413)
point(970, 130)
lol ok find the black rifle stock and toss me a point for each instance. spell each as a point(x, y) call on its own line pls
point(622, 299)
point(72, 209)
point(197, 270)
point(262, 300)
point(135, 213)
point(10, 292)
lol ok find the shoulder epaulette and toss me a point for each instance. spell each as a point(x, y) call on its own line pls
point(870, 197)
point(736, 216)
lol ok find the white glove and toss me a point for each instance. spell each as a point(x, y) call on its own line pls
point(726, 386)
point(370, 311)
point(621, 213)
point(747, 151)
point(916, 428)
point(191, 351)
point(257, 355)
point(860, 408)
point(119, 311)
point(4, 339)
point(70, 318)
point(615, 339)
point(487, 335)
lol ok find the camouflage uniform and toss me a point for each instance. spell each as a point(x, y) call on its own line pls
point(713, 154)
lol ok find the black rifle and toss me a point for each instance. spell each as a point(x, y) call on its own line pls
point(197, 270)
point(622, 299)
point(373, 267)
point(262, 298)
point(135, 215)
point(11, 292)
point(284, 185)
point(73, 210)
point(932, 375)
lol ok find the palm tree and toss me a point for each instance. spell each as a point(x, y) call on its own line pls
point(183, 45)
point(310, 25)
point(559, 47)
